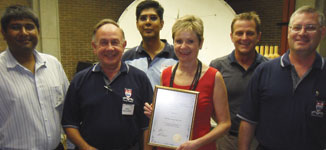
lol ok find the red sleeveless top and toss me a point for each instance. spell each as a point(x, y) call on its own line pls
point(204, 109)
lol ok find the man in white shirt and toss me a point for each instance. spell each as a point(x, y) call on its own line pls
point(33, 86)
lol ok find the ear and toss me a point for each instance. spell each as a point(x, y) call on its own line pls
point(162, 24)
point(94, 47)
point(124, 44)
point(3, 34)
point(323, 31)
point(289, 31)
point(259, 37)
point(137, 25)
point(201, 44)
point(231, 37)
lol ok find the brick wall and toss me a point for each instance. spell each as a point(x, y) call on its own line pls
point(77, 18)
point(270, 13)
point(3, 5)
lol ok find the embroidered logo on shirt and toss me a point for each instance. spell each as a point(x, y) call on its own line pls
point(319, 109)
point(127, 98)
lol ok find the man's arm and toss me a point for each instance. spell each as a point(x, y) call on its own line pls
point(246, 133)
point(75, 137)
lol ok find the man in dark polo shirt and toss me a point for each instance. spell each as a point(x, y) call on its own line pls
point(153, 54)
point(104, 103)
point(285, 103)
point(237, 69)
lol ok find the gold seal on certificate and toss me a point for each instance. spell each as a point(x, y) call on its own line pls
point(173, 114)
point(177, 138)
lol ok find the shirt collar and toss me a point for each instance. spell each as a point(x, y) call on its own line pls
point(318, 63)
point(123, 69)
point(166, 48)
point(258, 58)
point(12, 62)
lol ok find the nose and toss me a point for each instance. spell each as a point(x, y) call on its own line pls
point(110, 47)
point(244, 36)
point(148, 22)
point(23, 30)
point(302, 31)
point(183, 45)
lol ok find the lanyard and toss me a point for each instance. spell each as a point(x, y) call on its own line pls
point(194, 81)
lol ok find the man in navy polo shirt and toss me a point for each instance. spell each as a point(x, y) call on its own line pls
point(237, 69)
point(153, 54)
point(104, 103)
point(285, 103)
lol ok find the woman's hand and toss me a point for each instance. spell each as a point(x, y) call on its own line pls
point(189, 145)
point(148, 110)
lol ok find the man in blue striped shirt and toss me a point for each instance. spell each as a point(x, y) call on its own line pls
point(32, 88)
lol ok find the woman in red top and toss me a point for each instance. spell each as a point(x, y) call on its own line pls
point(189, 73)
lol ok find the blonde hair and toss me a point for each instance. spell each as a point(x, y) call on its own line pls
point(189, 23)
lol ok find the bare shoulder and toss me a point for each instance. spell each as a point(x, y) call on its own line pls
point(219, 81)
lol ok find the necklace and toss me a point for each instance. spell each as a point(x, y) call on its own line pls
point(196, 77)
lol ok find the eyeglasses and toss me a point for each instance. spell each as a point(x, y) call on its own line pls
point(309, 28)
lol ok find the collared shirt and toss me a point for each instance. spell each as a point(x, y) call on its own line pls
point(31, 104)
point(282, 110)
point(236, 80)
point(139, 58)
point(95, 107)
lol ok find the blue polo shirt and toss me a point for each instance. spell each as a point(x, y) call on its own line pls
point(282, 110)
point(95, 107)
point(139, 58)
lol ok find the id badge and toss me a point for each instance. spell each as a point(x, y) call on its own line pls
point(128, 109)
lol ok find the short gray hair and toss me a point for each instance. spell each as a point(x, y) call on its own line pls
point(309, 9)
point(103, 22)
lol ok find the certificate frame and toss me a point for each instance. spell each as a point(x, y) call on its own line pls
point(173, 116)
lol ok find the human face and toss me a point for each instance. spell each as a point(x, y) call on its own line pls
point(21, 35)
point(109, 45)
point(245, 36)
point(149, 24)
point(305, 41)
point(186, 46)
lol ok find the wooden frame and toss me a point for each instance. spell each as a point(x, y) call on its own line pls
point(173, 116)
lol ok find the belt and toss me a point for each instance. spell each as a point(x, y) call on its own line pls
point(233, 133)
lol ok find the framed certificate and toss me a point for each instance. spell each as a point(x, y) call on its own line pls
point(173, 115)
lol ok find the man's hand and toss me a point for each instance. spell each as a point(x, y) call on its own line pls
point(148, 110)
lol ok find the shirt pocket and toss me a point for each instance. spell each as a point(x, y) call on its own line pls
point(57, 97)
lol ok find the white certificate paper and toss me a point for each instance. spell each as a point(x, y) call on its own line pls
point(173, 114)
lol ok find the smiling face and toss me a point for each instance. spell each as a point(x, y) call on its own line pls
point(245, 36)
point(21, 35)
point(149, 24)
point(305, 40)
point(186, 46)
point(109, 45)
